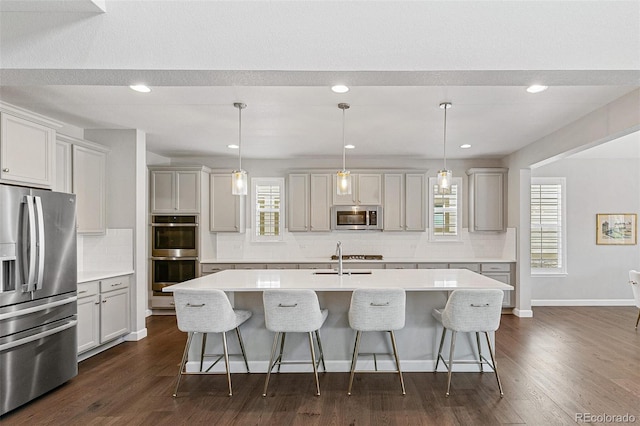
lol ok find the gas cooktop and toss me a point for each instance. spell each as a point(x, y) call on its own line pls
point(358, 257)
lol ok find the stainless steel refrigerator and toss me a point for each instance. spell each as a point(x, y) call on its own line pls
point(38, 282)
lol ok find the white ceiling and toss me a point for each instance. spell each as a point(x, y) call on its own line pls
point(402, 58)
point(294, 122)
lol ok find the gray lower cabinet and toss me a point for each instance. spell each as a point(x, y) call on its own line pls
point(500, 272)
point(103, 311)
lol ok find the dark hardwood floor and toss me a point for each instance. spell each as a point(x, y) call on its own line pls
point(565, 360)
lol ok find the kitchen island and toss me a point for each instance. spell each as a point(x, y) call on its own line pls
point(417, 341)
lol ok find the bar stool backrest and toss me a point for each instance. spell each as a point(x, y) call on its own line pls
point(380, 309)
point(204, 311)
point(296, 310)
point(473, 310)
point(634, 279)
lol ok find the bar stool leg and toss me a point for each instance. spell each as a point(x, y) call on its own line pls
point(395, 353)
point(453, 347)
point(324, 367)
point(273, 355)
point(204, 345)
point(244, 354)
point(493, 360)
point(354, 360)
point(444, 333)
point(638, 320)
point(184, 360)
point(313, 361)
point(284, 335)
point(479, 352)
point(226, 360)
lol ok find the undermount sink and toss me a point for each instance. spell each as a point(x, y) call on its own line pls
point(343, 273)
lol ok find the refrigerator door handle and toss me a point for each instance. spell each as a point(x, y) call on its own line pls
point(30, 245)
point(40, 244)
point(38, 308)
point(38, 336)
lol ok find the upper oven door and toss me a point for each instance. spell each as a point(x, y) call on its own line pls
point(174, 239)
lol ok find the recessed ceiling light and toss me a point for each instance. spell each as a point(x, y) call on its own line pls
point(339, 88)
point(233, 146)
point(465, 146)
point(536, 88)
point(350, 146)
point(140, 88)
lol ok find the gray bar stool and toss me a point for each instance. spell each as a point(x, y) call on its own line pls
point(208, 311)
point(293, 311)
point(470, 311)
point(381, 309)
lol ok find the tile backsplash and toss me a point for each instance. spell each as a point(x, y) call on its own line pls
point(110, 252)
point(391, 245)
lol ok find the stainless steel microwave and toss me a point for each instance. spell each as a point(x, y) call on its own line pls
point(356, 218)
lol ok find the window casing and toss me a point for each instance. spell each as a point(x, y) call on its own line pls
point(267, 211)
point(548, 226)
point(445, 214)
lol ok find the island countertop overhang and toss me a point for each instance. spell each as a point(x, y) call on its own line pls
point(324, 280)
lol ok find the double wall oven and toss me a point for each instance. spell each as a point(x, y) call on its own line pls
point(174, 250)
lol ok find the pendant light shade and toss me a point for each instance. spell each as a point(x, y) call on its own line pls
point(239, 177)
point(343, 186)
point(445, 175)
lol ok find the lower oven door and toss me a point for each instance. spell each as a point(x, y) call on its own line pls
point(167, 271)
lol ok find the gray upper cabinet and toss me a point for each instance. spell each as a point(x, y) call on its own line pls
point(298, 200)
point(27, 152)
point(366, 189)
point(487, 199)
point(404, 202)
point(227, 211)
point(176, 190)
point(309, 200)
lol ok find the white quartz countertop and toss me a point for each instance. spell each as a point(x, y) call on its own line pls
point(85, 276)
point(385, 260)
point(327, 280)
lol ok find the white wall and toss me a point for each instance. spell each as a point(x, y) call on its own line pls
point(597, 274)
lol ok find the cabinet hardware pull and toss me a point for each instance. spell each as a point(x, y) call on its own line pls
point(104, 301)
point(97, 303)
point(116, 284)
point(82, 291)
point(5, 170)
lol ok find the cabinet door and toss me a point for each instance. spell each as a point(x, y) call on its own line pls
point(227, 210)
point(320, 202)
point(298, 217)
point(114, 314)
point(27, 152)
point(89, 185)
point(187, 192)
point(415, 202)
point(62, 182)
point(88, 327)
point(369, 189)
point(163, 192)
point(489, 202)
point(504, 277)
point(344, 200)
point(394, 202)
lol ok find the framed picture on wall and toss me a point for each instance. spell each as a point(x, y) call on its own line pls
point(616, 229)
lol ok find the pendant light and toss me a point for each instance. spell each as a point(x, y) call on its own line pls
point(343, 186)
point(239, 177)
point(445, 175)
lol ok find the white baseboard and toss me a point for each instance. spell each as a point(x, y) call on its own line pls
point(582, 302)
point(134, 336)
point(523, 313)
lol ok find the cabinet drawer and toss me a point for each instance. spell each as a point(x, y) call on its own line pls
point(493, 267)
point(475, 267)
point(212, 268)
point(162, 302)
point(115, 283)
point(282, 266)
point(88, 289)
point(433, 266)
point(401, 266)
point(315, 266)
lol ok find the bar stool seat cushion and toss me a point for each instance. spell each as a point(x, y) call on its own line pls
point(377, 309)
point(214, 313)
point(293, 311)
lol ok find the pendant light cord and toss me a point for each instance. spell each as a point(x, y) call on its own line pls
point(240, 137)
point(444, 143)
point(344, 150)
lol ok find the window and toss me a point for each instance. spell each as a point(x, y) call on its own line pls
point(445, 217)
point(548, 236)
point(267, 215)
